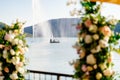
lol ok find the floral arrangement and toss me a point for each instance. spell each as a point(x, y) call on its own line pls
point(96, 43)
point(12, 48)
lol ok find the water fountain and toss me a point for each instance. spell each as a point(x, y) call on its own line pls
point(38, 18)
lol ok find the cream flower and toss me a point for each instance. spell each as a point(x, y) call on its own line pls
point(93, 28)
point(5, 54)
point(95, 36)
point(20, 70)
point(91, 59)
point(12, 52)
point(15, 60)
point(108, 72)
point(88, 39)
point(98, 76)
point(106, 39)
point(95, 66)
point(102, 66)
point(15, 41)
point(103, 44)
point(20, 42)
point(14, 76)
point(26, 49)
point(1, 77)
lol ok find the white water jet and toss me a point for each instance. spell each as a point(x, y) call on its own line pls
point(38, 18)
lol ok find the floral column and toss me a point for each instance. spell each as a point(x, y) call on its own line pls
point(95, 45)
point(12, 48)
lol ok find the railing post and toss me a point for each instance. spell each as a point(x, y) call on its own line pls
point(58, 77)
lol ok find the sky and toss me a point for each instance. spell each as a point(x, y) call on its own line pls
point(32, 11)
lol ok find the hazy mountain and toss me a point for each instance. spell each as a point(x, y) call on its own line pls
point(2, 24)
point(64, 27)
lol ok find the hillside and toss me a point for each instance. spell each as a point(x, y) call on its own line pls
point(64, 27)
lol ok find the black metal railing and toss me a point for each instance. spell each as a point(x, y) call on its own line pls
point(42, 75)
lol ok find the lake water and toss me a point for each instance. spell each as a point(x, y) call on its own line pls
point(55, 57)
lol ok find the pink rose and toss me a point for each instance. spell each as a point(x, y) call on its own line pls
point(20, 64)
point(109, 59)
point(7, 37)
point(84, 68)
point(105, 30)
point(108, 72)
point(88, 23)
point(6, 69)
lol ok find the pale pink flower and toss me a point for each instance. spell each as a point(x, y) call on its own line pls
point(88, 23)
point(9, 37)
point(88, 39)
point(87, 73)
point(84, 68)
point(109, 59)
point(20, 64)
point(108, 72)
point(1, 46)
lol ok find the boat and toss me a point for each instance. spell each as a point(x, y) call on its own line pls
point(54, 41)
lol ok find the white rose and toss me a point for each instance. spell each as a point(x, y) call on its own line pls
point(108, 72)
point(5, 54)
point(93, 28)
point(15, 60)
point(14, 76)
point(98, 76)
point(88, 39)
point(15, 41)
point(106, 39)
point(20, 42)
point(26, 49)
point(20, 70)
point(12, 52)
point(91, 59)
point(103, 44)
point(95, 36)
